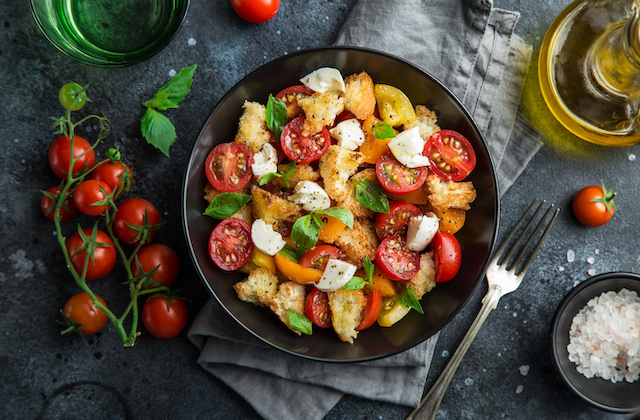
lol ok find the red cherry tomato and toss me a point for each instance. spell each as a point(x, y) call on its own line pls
point(291, 95)
point(79, 308)
point(593, 205)
point(397, 221)
point(90, 197)
point(256, 11)
point(451, 155)
point(230, 244)
point(163, 319)
point(318, 256)
point(139, 213)
point(228, 166)
point(60, 151)
point(371, 310)
point(303, 149)
point(447, 256)
point(395, 260)
point(316, 307)
point(344, 116)
point(104, 255)
point(161, 256)
point(397, 178)
point(68, 210)
point(112, 174)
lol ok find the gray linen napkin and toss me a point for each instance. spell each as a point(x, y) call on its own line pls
point(471, 48)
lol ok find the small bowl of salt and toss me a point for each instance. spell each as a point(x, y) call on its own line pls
point(595, 341)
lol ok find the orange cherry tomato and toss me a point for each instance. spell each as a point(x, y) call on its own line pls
point(295, 272)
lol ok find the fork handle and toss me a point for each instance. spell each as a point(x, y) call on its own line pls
point(428, 407)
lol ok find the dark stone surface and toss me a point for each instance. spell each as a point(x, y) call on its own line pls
point(44, 375)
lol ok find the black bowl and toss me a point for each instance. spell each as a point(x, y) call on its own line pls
point(476, 238)
point(619, 397)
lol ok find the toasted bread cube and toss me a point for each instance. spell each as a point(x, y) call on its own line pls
point(320, 109)
point(359, 242)
point(426, 120)
point(290, 296)
point(259, 288)
point(425, 280)
point(252, 127)
point(303, 172)
point(351, 202)
point(445, 194)
point(347, 311)
point(336, 166)
point(272, 209)
point(359, 95)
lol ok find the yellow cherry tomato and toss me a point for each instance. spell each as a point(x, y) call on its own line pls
point(394, 106)
point(451, 220)
point(392, 311)
point(259, 259)
point(383, 283)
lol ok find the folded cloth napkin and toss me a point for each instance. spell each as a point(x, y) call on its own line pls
point(468, 45)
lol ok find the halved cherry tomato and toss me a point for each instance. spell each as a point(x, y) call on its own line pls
point(104, 255)
point(90, 197)
point(290, 96)
point(296, 272)
point(373, 147)
point(394, 106)
point(381, 282)
point(228, 166)
point(395, 260)
point(230, 244)
point(397, 221)
point(80, 309)
point(344, 116)
point(451, 155)
point(68, 210)
point(447, 256)
point(397, 178)
point(451, 220)
point(317, 309)
point(318, 256)
point(60, 151)
point(371, 310)
point(300, 148)
point(331, 228)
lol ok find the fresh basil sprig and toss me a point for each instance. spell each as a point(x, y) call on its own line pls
point(288, 171)
point(289, 252)
point(300, 322)
point(276, 115)
point(369, 268)
point(156, 128)
point(306, 229)
point(409, 299)
point(226, 204)
point(356, 283)
point(371, 195)
point(382, 130)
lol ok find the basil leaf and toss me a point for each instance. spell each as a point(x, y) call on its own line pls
point(268, 177)
point(340, 213)
point(288, 172)
point(172, 93)
point(300, 322)
point(371, 195)
point(305, 234)
point(276, 115)
point(158, 130)
point(226, 204)
point(408, 298)
point(356, 283)
point(368, 268)
point(382, 130)
point(289, 252)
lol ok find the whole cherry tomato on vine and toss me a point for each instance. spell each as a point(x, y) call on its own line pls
point(594, 206)
point(256, 11)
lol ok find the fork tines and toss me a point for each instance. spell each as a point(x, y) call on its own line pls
point(516, 264)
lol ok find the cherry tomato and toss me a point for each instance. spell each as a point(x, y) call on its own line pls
point(371, 310)
point(68, 210)
point(90, 197)
point(80, 309)
point(451, 220)
point(394, 106)
point(317, 309)
point(60, 151)
point(594, 206)
point(344, 116)
point(161, 256)
point(256, 11)
point(139, 213)
point(303, 149)
point(447, 256)
point(290, 96)
point(397, 221)
point(318, 256)
point(296, 272)
point(228, 166)
point(397, 178)
point(162, 318)
point(230, 244)
point(113, 174)
point(71, 96)
point(104, 254)
point(451, 155)
point(395, 260)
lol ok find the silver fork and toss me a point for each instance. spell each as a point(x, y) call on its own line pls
point(504, 275)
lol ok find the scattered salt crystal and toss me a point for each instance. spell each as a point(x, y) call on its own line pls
point(519, 389)
point(571, 256)
point(468, 382)
point(597, 251)
point(591, 260)
point(191, 42)
point(561, 268)
point(445, 353)
point(591, 272)
point(632, 157)
point(524, 370)
point(172, 73)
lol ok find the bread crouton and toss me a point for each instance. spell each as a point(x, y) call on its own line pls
point(303, 172)
point(290, 296)
point(259, 288)
point(426, 121)
point(444, 194)
point(425, 280)
point(336, 166)
point(272, 209)
point(359, 242)
point(359, 95)
point(320, 109)
point(347, 310)
point(245, 213)
point(351, 202)
point(252, 127)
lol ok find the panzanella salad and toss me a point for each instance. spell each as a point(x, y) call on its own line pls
point(339, 199)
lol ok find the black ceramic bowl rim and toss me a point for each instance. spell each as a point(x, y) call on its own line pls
point(600, 393)
point(483, 246)
point(138, 57)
